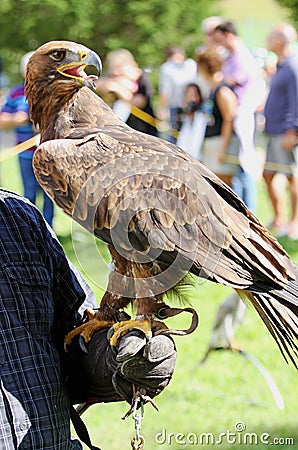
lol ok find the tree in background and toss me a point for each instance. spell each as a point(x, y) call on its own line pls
point(292, 6)
point(145, 28)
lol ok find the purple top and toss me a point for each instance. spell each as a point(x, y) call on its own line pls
point(242, 68)
point(281, 109)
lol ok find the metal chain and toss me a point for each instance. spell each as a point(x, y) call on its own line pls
point(138, 442)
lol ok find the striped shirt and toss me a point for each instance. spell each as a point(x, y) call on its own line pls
point(39, 299)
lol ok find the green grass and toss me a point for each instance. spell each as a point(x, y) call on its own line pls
point(200, 399)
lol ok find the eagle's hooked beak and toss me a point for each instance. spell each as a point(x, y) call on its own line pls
point(76, 69)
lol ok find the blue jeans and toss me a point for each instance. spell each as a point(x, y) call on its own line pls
point(31, 187)
point(245, 187)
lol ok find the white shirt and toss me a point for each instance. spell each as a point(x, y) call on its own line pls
point(174, 77)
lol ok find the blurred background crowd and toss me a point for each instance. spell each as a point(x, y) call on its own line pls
point(232, 108)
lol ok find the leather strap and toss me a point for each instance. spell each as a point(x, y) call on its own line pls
point(81, 429)
point(166, 311)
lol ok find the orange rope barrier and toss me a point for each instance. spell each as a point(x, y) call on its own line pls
point(13, 151)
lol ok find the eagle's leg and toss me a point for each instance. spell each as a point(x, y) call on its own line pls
point(145, 321)
point(128, 278)
point(121, 291)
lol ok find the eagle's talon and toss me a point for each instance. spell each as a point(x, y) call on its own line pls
point(119, 329)
point(139, 396)
point(82, 344)
point(88, 314)
point(65, 347)
point(110, 333)
point(86, 331)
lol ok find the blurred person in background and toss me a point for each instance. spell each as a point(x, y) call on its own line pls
point(220, 141)
point(281, 125)
point(174, 74)
point(192, 122)
point(208, 26)
point(231, 311)
point(15, 114)
point(127, 89)
point(243, 73)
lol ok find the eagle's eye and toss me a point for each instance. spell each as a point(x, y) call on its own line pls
point(58, 55)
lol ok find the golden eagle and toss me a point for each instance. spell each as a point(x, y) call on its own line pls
point(161, 213)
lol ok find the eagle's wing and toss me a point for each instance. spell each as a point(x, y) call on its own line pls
point(159, 204)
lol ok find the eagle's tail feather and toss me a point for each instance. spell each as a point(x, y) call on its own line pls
point(278, 308)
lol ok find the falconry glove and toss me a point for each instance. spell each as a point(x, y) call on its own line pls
point(108, 374)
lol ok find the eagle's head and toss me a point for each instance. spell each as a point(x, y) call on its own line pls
point(56, 71)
